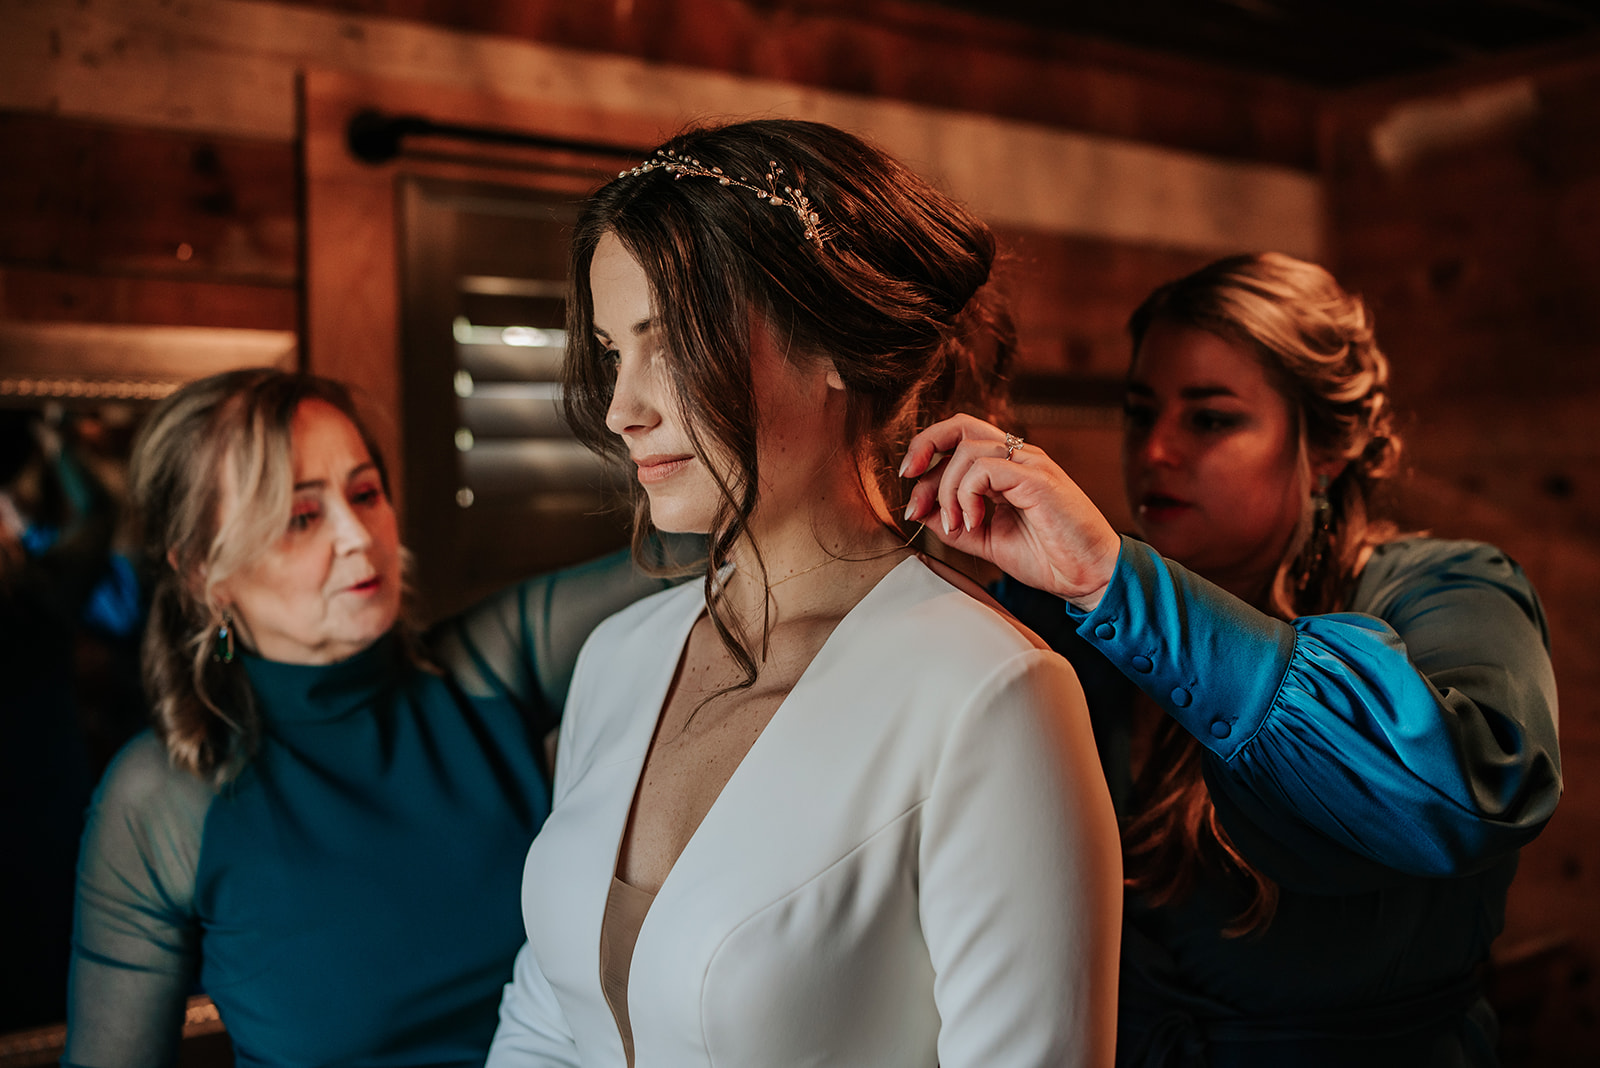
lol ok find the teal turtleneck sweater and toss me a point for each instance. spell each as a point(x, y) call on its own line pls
point(352, 896)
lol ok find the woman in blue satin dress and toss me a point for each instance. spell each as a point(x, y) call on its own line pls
point(1326, 741)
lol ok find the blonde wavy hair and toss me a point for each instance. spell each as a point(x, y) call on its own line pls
point(1316, 343)
point(229, 430)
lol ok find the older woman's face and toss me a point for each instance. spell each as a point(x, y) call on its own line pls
point(330, 586)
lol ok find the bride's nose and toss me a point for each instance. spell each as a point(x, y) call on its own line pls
point(634, 405)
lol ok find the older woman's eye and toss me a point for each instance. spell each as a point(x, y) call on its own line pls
point(303, 518)
point(367, 495)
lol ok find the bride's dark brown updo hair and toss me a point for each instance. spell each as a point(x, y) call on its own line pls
point(889, 284)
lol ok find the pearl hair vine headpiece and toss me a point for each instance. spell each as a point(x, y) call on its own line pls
point(792, 197)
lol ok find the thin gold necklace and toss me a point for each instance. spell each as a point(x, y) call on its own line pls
point(849, 559)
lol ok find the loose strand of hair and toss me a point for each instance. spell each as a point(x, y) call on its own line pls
point(1176, 833)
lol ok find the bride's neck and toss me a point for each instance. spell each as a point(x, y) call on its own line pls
point(821, 554)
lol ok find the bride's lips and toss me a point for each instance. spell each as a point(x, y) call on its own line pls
point(660, 468)
point(1159, 508)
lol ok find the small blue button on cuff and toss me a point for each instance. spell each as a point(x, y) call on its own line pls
point(1220, 728)
point(1105, 632)
point(1181, 697)
point(1142, 664)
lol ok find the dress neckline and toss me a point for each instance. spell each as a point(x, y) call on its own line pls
point(628, 907)
point(311, 693)
point(849, 622)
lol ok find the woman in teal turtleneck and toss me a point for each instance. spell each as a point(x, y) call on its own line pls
point(325, 829)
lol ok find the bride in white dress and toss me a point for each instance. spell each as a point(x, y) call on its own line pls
point(826, 807)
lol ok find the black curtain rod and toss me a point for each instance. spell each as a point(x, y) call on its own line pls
point(375, 138)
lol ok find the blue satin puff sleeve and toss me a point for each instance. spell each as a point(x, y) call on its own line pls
point(1415, 734)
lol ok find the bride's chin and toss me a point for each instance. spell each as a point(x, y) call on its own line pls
point(673, 520)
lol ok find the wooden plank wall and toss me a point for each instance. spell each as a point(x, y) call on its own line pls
point(112, 224)
point(225, 70)
point(889, 49)
point(1468, 212)
point(150, 170)
point(157, 155)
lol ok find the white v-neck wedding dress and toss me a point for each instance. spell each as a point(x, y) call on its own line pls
point(914, 864)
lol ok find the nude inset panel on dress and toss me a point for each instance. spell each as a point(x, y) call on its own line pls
point(619, 930)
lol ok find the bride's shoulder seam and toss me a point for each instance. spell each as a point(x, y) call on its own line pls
point(982, 597)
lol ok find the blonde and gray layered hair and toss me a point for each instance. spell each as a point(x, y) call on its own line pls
point(228, 437)
point(1315, 342)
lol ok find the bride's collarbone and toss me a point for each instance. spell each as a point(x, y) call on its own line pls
point(782, 647)
point(708, 702)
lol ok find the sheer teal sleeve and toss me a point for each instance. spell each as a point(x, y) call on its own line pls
point(135, 946)
point(525, 640)
point(1416, 735)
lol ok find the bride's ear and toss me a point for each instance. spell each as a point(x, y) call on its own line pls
point(833, 379)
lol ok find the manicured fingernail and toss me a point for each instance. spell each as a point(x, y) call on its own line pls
point(944, 520)
point(911, 510)
point(968, 522)
point(903, 465)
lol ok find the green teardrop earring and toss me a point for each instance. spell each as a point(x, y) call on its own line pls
point(224, 650)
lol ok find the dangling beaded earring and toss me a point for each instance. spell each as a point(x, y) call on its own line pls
point(224, 650)
point(1321, 525)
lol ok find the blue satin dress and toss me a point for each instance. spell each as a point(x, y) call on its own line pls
point(1383, 765)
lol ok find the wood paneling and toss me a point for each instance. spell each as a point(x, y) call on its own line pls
point(230, 64)
point(1071, 297)
point(105, 224)
point(919, 53)
point(84, 362)
point(1480, 254)
point(97, 198)
point(1106, 177)
point(1470, 218)
point(63, 296)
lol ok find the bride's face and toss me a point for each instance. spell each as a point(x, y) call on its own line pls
point(799, 406)
point(644, 409)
